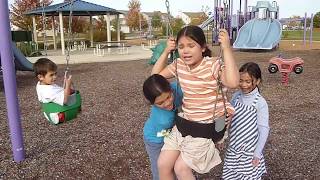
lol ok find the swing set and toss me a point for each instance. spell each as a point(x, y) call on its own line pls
point(55, 113)
point(220, 126)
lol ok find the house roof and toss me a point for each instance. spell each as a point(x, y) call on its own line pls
point(125, 12)
point(288, 20)
point(194, 14)
point(78, 8)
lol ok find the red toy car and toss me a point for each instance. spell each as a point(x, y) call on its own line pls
point(286, 65)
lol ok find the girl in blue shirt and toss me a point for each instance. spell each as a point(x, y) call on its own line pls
point(249, 128)
point(165, 98)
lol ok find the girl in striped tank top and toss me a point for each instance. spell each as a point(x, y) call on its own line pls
point(192, 143)
point(249, 128)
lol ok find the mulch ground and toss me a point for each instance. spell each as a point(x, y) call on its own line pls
point(105, 141)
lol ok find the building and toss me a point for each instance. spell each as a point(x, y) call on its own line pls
point(295, 23)
point(188, 17)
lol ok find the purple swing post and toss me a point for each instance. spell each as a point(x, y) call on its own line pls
point(10, 85)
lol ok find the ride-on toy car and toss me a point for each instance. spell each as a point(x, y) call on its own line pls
point(286, 65)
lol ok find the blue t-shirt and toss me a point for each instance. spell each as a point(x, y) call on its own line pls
point(161, 119)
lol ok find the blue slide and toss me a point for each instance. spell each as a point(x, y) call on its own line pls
point(20, 61)
point(259, 34)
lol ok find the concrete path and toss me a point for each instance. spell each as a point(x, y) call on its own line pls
point(76, 57)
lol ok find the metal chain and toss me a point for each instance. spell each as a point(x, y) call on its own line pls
point(169, 19)
point(169, 29)
point(69, 35)
point(170, 32)
point(220, 89)
point(222, 20)
point(69, 42)
point(44, 27)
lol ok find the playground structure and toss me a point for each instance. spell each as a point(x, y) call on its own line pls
point(258, 28)
point(220, 19)
point(80, 8)
point(9, 54)
point(20, 61)
point(263, 31)
point(158, 50)
point(10, 85)
point(285, 67)
point(305, 30)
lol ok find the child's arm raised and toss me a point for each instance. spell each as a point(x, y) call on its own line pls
point(160, 67)
point(67, 89)
point(230, 73)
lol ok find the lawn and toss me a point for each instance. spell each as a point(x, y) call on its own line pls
point(298, 35)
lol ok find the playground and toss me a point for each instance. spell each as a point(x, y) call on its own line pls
point(104, 137)
point(106, 142)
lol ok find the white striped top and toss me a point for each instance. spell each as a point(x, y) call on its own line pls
point(199, 87)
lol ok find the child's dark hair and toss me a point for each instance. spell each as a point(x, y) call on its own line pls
point(43, 65)
point(154, 86)
point(196, 34)
point(252, 69)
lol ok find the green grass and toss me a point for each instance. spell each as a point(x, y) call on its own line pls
point(298, 35)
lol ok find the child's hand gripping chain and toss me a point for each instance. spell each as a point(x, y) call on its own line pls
point(221, 119)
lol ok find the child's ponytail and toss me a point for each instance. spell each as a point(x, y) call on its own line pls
point(207, 52)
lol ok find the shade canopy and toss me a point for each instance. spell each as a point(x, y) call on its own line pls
point(78, 8)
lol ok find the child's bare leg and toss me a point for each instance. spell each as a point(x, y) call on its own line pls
point(166, 161)
point(182, 170)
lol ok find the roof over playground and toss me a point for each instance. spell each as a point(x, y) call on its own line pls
point(78, 8)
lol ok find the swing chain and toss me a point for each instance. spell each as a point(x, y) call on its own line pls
point(69, 37)
point(67, 70)
point(222, 19)
point(169, 28)
point(170, 33)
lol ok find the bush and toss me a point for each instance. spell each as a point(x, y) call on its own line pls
point(27, 48)
point(114, 35)
point(285, 34)
point(99, 36)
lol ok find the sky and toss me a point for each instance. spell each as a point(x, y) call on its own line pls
point(287, 8)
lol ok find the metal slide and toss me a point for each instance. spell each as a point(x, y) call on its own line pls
point(207, 22)
point(20, 61)
point(259, 34)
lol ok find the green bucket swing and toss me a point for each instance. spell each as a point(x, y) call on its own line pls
point(56, 113)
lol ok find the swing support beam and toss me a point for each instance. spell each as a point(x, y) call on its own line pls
point(10, 84)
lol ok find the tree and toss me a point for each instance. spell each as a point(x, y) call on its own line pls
point(135, 20)
point(156, 19)
point(101, 23)
point(316, 20)
point(78, 24)
point(19, 7)
point(176, 25)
